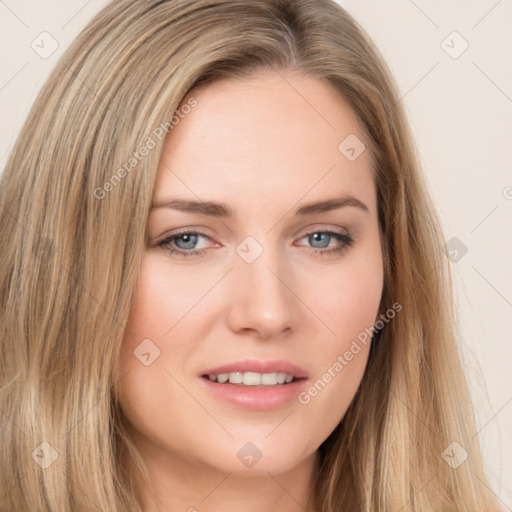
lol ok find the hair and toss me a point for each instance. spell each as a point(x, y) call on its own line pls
point(70, 260)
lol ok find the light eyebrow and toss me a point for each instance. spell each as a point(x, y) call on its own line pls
point(222, 210)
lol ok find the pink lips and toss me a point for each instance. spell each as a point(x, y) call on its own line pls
point(256, 398)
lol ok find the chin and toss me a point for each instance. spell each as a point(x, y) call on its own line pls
point(246, 457)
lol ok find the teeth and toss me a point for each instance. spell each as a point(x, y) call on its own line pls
point(252, 378)
point(269, 379)
point(236, 377)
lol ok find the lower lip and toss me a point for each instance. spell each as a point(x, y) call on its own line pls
point(254, 397)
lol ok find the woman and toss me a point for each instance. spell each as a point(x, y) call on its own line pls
point(222, 277)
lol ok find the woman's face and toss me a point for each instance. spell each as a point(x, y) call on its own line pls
point(263, 287)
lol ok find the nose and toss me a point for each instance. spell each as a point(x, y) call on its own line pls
point(262, 300)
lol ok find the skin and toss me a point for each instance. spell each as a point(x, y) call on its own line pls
point(264, 145)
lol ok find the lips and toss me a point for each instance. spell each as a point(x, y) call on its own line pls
point(250, 395)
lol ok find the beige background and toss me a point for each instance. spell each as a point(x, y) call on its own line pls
point(460, 109)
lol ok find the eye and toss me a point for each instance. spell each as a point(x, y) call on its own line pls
point(181, 243)
point(321, 240)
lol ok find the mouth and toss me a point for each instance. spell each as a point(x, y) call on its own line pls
point(255, 385)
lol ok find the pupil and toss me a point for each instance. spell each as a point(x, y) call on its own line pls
point(317, 237)
point(190, 241)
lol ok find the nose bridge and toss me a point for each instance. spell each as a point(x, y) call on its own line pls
point(263, 300)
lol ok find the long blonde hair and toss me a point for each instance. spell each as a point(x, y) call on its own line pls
point(72, 238)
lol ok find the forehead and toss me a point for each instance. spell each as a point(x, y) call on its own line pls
point(272, 137)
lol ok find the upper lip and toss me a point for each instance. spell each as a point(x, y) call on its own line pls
point(257, 366)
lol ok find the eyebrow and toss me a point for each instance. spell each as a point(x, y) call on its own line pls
point(221, 210)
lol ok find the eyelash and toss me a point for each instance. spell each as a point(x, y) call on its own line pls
point(346, 240)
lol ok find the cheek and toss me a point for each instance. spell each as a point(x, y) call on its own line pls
point(163, 298)
point(341, 359)
point(349, 307)
point(146, 392)
point(350, 294)
point(155, 310)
